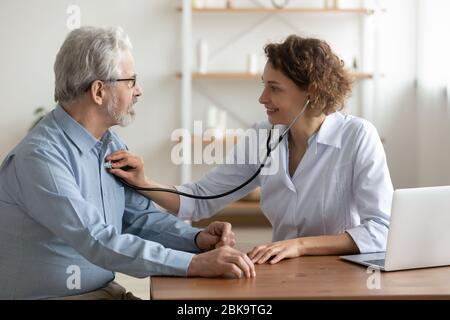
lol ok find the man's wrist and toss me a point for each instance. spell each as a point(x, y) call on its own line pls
point(195, 239)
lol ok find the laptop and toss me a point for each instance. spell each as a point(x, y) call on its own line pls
point(419, 233)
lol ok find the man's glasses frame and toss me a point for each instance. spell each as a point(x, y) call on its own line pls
point(131, 82)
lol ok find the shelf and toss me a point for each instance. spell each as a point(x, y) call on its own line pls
point(361, 75)
point(223, 76)
point(240, 213)
point(282, 10)
point(250, 76)
point(244, 205)
point(204, 141)
point(197, 139)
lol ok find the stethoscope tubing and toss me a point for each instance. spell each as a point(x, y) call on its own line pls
point(242, 185)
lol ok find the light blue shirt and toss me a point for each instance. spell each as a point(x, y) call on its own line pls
point(60, 208)
point(342, 184)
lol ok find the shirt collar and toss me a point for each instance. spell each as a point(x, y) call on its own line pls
point(330, 132)
point(79, 136)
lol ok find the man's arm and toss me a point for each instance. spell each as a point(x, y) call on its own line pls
point(50, 195)
point(143, 219)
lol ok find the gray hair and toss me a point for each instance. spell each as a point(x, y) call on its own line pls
point(88, 54)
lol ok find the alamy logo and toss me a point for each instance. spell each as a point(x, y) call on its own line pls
point(74, 19)
point(74, 280)
point(232, 146)
point(374, 280)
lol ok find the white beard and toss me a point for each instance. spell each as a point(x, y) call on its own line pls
point(121, 119)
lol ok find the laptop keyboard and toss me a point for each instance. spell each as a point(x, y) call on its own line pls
point(379, 262)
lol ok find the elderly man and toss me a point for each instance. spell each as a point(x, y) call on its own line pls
point(66, 224)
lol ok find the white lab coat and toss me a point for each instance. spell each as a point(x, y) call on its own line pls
point(342, 184)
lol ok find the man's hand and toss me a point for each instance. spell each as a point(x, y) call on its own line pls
point(222, 262)
point(215, 235)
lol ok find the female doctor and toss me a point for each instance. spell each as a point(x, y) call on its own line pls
point(332, 191)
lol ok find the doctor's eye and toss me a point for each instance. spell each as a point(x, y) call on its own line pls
point(274, 89)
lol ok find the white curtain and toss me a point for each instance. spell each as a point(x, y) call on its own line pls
point(433, 85)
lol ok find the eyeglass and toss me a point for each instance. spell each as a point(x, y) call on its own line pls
point(131, 82)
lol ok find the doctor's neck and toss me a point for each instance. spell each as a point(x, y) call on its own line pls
point(308, 124)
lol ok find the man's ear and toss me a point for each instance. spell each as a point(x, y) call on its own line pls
point(97, 92)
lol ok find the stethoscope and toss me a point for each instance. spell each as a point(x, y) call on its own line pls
point(262, 165)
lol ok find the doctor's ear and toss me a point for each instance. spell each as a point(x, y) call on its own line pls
point(308, 101)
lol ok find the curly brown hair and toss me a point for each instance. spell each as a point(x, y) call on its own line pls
point(313, 67)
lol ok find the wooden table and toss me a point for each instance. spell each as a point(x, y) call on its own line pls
point(319, 277)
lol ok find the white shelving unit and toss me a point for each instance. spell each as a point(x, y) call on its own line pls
point(368, 48)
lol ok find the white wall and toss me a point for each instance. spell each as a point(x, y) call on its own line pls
point(395, 116)
point(31, 33)
point(433, 104)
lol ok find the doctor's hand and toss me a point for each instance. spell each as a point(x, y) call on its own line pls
point(276, 251)
point(223, 262)
point(128, 167)
point(215, 235)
